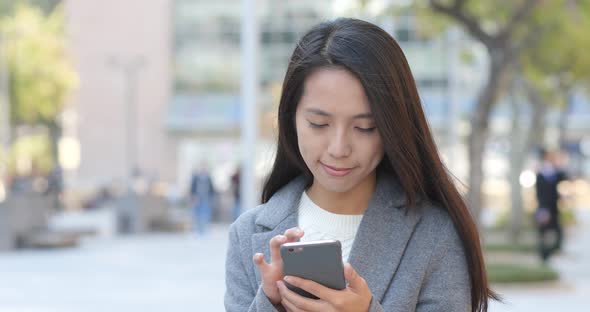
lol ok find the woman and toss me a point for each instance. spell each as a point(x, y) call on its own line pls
point(356, 162)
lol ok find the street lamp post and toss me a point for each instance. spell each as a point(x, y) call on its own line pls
point(249, 112)
point(5, 132)
point(128, 214)
point(130, 69)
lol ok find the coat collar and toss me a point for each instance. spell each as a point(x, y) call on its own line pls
point(384, 231)
point(282, 204)
point(285, 202)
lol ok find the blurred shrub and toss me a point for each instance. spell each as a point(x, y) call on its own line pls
point(520, 273)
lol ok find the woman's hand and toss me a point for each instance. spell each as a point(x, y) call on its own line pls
point(355, 297)
point(273, 271)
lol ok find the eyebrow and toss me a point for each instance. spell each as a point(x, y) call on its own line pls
point(323, 113)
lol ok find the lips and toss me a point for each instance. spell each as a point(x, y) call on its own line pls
point(335, 171)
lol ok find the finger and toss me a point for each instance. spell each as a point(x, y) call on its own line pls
point(294, 234)
point(349, 273)
point(355, 281)
point(289, 306)
point(275, 248)
point(312, 287)
point(298, 302)
point(259, 261)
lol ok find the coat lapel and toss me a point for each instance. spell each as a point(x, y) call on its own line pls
point(381, 239)
point(260, 241)
point(277, 215)
point(382, 236)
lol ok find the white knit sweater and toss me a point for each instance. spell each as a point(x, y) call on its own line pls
point(320, 224)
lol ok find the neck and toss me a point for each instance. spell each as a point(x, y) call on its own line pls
point(352, 202)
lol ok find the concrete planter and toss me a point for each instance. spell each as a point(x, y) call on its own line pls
point(140, 213)
point(7, 239)
point(20, 217)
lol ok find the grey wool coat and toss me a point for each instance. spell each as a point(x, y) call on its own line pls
point(412, 259)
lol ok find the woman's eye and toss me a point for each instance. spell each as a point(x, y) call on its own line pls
point(317, 126)
point(366, 130)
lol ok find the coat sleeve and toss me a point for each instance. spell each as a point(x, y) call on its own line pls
point(447, 285)
point(240, 294)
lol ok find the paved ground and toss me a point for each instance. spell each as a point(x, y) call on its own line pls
point(183, 272)
point(160, 272)
point(572, 292)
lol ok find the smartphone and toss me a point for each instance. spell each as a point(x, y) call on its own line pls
point(319, 261)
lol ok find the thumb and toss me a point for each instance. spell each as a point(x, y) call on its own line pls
point(354, 280)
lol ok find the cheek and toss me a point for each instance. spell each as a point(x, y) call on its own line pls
point(309, 147)
point(305, 142)
point(373, 151)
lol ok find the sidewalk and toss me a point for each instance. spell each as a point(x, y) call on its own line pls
point(184, 272)
point(571, 292)
point(153, 272)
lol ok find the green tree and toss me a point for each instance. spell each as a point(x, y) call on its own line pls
point(508, 30)
point(548, 72)
point(504, 29)
point(541, 45)
point(40, 73)
point(559, 61)
point(8, 6)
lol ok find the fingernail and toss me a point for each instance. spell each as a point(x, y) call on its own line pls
point(297, 231)
point(287, 278)
point(282, 238)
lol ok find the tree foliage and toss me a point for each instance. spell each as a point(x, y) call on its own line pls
point(558, 61)
point(39, 69)
point(543, 41)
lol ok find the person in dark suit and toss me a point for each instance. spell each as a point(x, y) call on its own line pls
point(547, 214)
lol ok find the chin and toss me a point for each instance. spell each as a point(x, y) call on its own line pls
point(337, 186)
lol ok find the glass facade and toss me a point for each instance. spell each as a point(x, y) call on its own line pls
point(207, 54)
point(207, 41)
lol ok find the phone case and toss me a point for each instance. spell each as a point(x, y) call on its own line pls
point(319, 261)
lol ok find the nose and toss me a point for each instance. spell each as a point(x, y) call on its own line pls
point(340, 145)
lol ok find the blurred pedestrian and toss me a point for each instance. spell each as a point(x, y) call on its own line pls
point(550, 233)
point(235, 182)
point(55, 187)
point(202, 193)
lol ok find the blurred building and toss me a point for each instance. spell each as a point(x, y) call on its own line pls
point(121, 50)
point(205, 109)
point(159, 82)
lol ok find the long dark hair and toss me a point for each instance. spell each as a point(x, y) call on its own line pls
point(376, 59)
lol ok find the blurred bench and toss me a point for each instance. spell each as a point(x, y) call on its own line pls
point(24, 223)
point(20, 217)
point(140, 213)
point(155, 214)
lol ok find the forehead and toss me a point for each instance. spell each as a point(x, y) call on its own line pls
point(336, 91)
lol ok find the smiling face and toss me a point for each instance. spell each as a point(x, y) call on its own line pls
point(336, 133)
